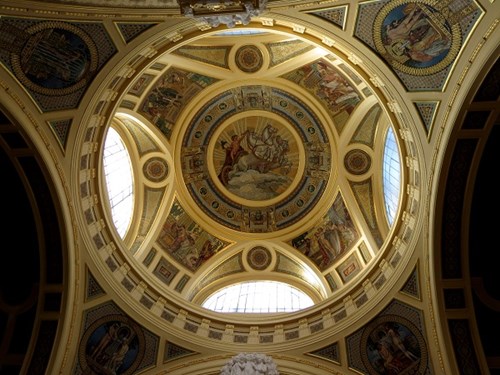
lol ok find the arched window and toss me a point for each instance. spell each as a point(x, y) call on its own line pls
point(119, 181)
point(258, 297)
point(391, 176)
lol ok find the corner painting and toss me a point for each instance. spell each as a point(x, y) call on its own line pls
point(185, 241)
point(112, 345)
point(424, 37)
point(332, 237)
point(394, 345)
point(52, 57)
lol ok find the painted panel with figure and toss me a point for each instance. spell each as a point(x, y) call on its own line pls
point(186, 241)
point(257, 158)
point(329, 85)
point(331, 238)
point(416, 35)
point(169, 95)
point(393, 346)
point(113, 346)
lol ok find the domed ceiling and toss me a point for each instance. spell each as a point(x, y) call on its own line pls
point(264, 154)
point(308, 147)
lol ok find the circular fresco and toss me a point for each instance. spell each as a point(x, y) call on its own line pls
point(112, 345)
point(248, 59)
point(259, 258)
point(357, 162)
point(57, 58)
point(415, 37)
point(256, 159)
point(393, 345)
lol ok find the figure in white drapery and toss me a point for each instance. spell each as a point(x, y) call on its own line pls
point(250, 364)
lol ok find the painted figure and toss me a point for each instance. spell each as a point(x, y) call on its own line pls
point(106, 340)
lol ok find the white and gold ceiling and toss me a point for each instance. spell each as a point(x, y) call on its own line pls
point(257, 153)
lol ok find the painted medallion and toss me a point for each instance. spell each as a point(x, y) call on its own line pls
point(256, 158)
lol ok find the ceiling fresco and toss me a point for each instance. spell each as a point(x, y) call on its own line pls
point(54, 58)
point(256, 157)
point(186, 241)
point(419, 40)
point(257, 154)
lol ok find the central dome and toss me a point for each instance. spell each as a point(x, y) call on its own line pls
point(278, 163)
point(256, 158)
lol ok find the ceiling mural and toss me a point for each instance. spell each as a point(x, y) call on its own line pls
point(166, 99)
point(330, 86)
point(260, 174)
point(328, 240)
point(357, 162)
point(113, 343)
point(416, 38)
point(259, 258)
point(53, 59)
point(155, 169)
point(392, 343)
point(258, 153)
point(185, 241)
point(249, 58)
point(419, 40)
point(256, 159)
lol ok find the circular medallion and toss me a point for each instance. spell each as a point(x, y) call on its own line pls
point(357, 162)
point(256, 158)
point(248, 59)
point(155, 169)
point(57, 58)
point(415, 37)
point(251, 167)
point(114, 344)
point(259, 258)
point(392, 344)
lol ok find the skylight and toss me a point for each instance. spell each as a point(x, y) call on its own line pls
point(258, 297)
point(391, 176)
point(118, 176)
point(236, 32)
